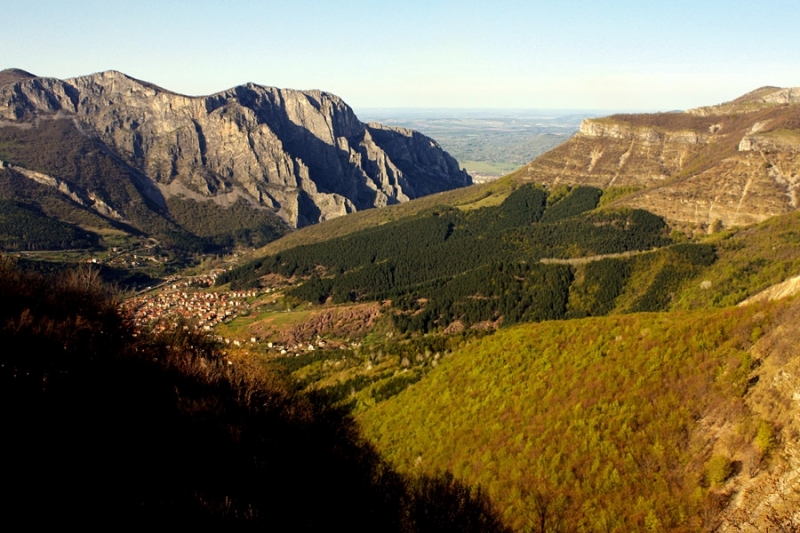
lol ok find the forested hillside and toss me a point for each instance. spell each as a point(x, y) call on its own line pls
point(81, 171)
point(448, 265)
point(637, 421)
point(750, 260)
point(598, 424)
point(23, 227)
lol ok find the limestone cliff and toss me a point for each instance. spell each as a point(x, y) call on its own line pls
point(303, 154)
point(732, 164)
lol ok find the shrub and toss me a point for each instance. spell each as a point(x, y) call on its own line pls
point(718, 469)
point(765, 437)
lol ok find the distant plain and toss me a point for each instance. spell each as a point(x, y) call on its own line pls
point(488, 143)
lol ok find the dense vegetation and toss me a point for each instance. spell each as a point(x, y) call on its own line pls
point(466, 198)
point(107, 425)
point(24, 227)
point(238, 224)
point(16, 187)
point(624, 423)
point(645, 282)
point(122, 279)
point(57, 148)
point(592, 422)
point(750, 260)
point(448, 265)
point(377, 370)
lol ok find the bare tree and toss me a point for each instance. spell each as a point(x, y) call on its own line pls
point(547, 511)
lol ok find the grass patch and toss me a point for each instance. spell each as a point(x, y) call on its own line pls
point(615, 193)
point(244, 326)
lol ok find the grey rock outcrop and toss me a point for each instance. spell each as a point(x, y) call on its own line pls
point(303, 154)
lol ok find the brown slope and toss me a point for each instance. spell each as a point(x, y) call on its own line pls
point(764, 495)
point(732, 164)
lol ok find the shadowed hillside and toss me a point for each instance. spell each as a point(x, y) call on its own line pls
point(109, 426)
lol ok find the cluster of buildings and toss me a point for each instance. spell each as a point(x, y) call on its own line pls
point(296, 349)
point(203, 309)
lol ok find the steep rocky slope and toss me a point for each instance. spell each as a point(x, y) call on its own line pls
point(301, 154)
point(764, 495)
point(732, 164)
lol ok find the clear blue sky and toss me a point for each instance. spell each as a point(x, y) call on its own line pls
point(598, 54)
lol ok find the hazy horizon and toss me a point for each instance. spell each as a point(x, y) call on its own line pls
point(517, 54)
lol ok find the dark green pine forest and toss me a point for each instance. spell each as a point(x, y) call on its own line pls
point(25, 227)
point(448, 265)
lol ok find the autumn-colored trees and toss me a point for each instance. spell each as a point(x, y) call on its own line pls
point(592, 417)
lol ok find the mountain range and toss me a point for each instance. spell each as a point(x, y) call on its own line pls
point(107, 150)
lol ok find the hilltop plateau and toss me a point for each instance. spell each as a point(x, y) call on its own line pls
point(727, 165)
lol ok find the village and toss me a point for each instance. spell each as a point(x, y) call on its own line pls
point(188, 299)
point(180, 299)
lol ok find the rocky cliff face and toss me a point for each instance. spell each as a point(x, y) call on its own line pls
point(732, 164)
point(303, 154)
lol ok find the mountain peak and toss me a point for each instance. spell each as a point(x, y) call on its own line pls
point(13, 75)
point(110, 76)
point(770, 95)
point(752, 101)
